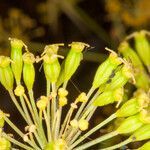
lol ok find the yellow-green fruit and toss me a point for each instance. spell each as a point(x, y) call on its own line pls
point(130, 108)
point(143, 47)
point(143, 133)
point(6, 75)
point(28, 70)
point(105, 70)
point(16, 56)
point(129, 125)
point(71, 63)
point(141, 77)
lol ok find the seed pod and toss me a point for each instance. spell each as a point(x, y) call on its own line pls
point(142, 79)
point(108, 97)
point(73, 59)
point(105, 69)
point(125, 49)
point(28, 70)
point(142, 47)
point(146, 146)
point(4, 144)
point(129, 125)
point(51, 64)
point(49, 146)
point(128, 109)
point(6, 75)
point(16, 56)
point(143, 133)
point(121, 78)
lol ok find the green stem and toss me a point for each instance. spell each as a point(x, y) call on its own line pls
point(16, 142)
point(17, 105)
point(83, 104)
point(48, 105)
point(39, 127)
point(96, 141)
point(48, 126)
point(25, 110)
point(113, 116)
point(118, 145)
point(17, 130)
point(53, 108)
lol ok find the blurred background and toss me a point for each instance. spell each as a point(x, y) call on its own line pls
point(99, 23)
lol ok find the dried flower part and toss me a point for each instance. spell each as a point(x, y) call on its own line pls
point(32, 128)
point(129, 125)
point(6, 75)
point(19, 91)
point(143, 47)
point(52, 49)
point(62, 92)
point(28, 58)
point(83, 124)
point(78, 46)
point(26, 138)
point(145, 115)
point(4, 144)
point(82, 98)
point(143, 133)
point(74, 123)
point(146, 146)
point(118, 94)
point(105, 70)
point(42, 103)
point(63, 101)
point(16, 56)
point(4, 61)
point(142, 98)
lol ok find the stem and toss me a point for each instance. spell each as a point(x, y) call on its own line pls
point(30, 108)
point(96, 141)
point(58, 121)
point(83, 104)
point(17, 130)
point(48, 105)
point(33, 105)
point(16, 142)
point(48, 126)
point(118, 145)
point(39, 128)
point(113, 116)
point(53, 106)
point(17, 105)
point(25, 110)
